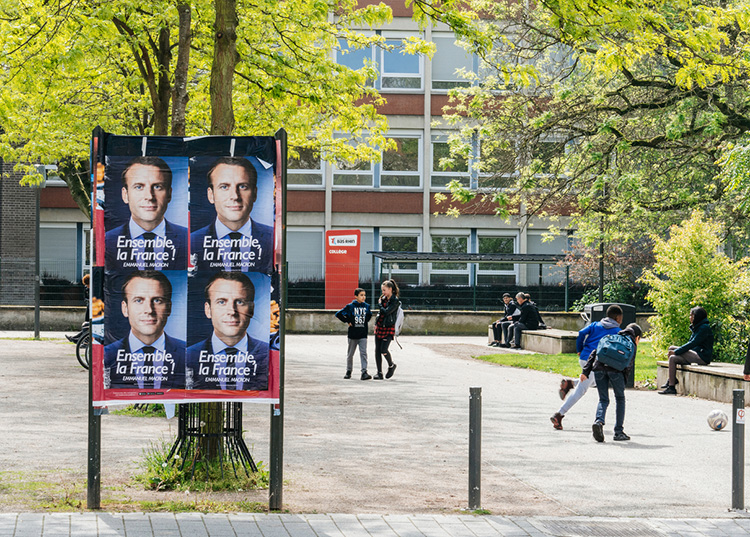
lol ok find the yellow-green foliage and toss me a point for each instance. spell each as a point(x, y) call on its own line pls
point(691, 270)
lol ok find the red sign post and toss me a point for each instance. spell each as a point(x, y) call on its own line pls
point(342, 266)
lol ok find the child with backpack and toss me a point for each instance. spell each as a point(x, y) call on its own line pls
point(611, 363)
point(357, 315)
point(385, 327)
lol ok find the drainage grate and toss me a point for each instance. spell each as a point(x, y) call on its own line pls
point(614, 528)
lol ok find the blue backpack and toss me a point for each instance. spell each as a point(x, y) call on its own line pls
point(616, 351)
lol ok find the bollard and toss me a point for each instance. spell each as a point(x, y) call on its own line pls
point(475, 447)
point(738, 449)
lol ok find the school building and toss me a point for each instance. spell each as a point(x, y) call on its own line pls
point(391, 202)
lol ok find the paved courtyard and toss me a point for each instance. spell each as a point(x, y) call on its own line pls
point(397, 448)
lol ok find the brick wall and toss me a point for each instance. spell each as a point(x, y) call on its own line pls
point(17, 239)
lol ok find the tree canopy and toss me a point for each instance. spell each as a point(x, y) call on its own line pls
point(622, 110)
point(189, 67)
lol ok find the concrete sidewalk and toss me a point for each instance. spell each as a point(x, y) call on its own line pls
point(288, 525)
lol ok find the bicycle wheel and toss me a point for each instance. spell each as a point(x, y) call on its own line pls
point(83, 351)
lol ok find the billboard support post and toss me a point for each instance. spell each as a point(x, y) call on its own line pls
point(276, 466)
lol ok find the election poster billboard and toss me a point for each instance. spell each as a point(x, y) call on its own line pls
point(187, 231)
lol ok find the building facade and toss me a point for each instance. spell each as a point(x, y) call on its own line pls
point(392, 202)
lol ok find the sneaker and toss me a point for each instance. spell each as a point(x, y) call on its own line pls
point(597, 427)
point(365, 376)
point(391, 369)
point(621, 436)
point(379, 376)
point(348, 375)
point(565, 386)
point(669, 390)
point(556, 420)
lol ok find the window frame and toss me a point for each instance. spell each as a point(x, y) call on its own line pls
point(322, 233)
point(441, 137)
point(308, 171)
point(400, 36)
point(459, 82)
point(401, 232)
point(420, 158)
point(494, 272)
point(465, 270)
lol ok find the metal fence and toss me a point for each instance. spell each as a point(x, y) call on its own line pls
point(311, 295)
point(306, 289)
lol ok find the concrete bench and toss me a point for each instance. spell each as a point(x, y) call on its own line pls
point(549, 341)
point(714, 381)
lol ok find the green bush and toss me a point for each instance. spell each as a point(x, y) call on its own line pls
point(161, 473)
point(690, 270)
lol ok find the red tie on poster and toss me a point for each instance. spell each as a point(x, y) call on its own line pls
point(342, 266)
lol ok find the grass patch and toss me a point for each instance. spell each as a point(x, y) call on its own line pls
point(159, 473)
point(142, 411)
point(481, 512)
point(203, 506)
point(36, 491)
point(568, 365)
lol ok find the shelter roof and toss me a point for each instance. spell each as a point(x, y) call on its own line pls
point(435, 257)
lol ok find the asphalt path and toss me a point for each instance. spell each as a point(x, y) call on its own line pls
point(399, 446)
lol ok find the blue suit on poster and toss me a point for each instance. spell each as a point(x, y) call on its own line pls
point(211, 248)
point(169, 246)
point(161, 369)
point(210, 365)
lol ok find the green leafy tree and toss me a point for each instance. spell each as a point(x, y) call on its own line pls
point(617, 111)
point(691, 270)
point(161, 67)
point(239, 68)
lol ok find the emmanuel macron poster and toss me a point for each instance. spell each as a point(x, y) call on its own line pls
point(186, 230)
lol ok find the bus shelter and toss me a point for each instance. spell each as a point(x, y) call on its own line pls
point(388, 259)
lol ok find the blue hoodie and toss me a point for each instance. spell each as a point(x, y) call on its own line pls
point(588, 338)
point(358, 315)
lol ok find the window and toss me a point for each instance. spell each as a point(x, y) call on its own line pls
point(497, 161)
point(449, 58)
point(496, 273)
point(305, 254)
point(545, 152)
point(457, 167)
point(62, 252)
point(358, 173)
point(449, 273)
point(402, 272)
point(306, 169)
point(399, 70)
point(401, 166)
point(354, 58)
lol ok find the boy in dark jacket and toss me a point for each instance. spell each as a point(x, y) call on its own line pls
point(586, 342)
point(528, 320)
point(356, 314)
point(501, 326)
point(606, 376)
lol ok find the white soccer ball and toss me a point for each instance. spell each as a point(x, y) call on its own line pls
point(717, 420)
